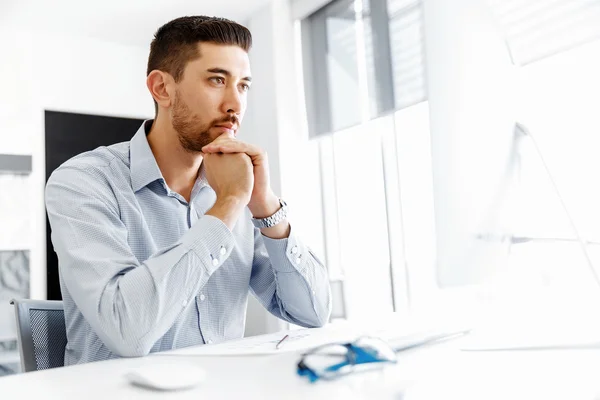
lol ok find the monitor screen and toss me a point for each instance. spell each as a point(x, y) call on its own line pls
point(472, 115)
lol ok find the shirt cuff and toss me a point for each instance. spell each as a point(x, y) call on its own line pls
point(212, 241)
point(288, 254)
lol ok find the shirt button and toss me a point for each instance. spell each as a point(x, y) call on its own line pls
point(209, 341)
point(294, 249)
point(215, 262)
point(202, 297)
point(223, 251)
point(184, 303)
point(298, 259)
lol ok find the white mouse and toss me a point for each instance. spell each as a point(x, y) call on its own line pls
point(163, 375)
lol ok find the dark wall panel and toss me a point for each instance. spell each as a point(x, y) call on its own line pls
point(67, 135)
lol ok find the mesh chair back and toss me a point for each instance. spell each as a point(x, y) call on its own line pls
point(42, 336)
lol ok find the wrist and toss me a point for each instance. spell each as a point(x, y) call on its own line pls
point(227, 209)
point(264, 208)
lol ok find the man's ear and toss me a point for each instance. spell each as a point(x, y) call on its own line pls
point(158, 83)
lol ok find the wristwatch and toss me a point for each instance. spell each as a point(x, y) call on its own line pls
point(273, 219)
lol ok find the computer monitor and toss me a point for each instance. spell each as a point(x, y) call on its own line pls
point(475, 139)
point(472, 113)
point(472, 251)
point(474, 200)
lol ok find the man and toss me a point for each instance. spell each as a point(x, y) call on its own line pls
point(160, 238)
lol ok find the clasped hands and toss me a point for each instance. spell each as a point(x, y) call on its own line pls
point(239, 171)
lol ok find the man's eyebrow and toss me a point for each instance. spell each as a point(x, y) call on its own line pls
point(227, 73)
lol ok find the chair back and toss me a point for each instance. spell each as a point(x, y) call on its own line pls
point(41, 333)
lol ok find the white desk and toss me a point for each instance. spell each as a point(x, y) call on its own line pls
point(439, 371)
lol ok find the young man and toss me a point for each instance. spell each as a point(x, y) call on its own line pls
point(159, 239)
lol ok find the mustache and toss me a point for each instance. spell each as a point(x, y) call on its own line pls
point(230, 118)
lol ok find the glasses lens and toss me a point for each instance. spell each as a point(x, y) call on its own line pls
point(376, 348)
point(337, 359)
point(328, 361)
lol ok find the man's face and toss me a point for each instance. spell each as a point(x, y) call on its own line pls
point(211, 97)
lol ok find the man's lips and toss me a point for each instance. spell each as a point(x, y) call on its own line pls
point(227, 126)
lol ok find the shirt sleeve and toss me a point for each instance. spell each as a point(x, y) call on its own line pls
point(129, 304)
point(290, 281)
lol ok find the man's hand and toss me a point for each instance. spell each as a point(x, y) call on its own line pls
point(232, 179)
point(263, 201)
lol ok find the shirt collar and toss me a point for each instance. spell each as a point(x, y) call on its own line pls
point(144, 168)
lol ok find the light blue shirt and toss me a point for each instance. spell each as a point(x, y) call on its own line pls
point(142, 270)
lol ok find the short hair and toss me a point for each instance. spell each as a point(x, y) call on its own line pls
point(176, 42)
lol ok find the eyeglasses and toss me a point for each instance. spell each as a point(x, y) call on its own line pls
point(333, 360)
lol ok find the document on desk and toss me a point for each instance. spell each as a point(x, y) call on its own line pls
point(305, 339)
point(297, 340)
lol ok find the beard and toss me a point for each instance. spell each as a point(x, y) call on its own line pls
point(192, 132)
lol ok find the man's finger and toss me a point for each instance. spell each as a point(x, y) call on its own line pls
point(232, 147)
point(223, 148)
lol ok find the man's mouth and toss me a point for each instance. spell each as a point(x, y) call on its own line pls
point(232, 128)
point(227, 126)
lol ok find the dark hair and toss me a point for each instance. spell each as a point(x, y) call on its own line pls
point(176, 42)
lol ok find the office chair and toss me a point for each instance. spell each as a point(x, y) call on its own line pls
point(41, 333)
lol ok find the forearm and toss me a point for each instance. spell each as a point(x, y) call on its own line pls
point(228, 209)
point(298, 288)
point(138, 308)
point(305, 297)
point(137, 303)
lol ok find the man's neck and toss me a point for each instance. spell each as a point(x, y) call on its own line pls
point(178, 166)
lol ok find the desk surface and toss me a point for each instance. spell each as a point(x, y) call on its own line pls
point(440, 371)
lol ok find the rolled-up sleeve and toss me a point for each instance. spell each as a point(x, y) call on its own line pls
point(129, 304)
point(290, 281)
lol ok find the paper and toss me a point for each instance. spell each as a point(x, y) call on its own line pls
point(298, 340)
point(398, 333)
point(306, 339)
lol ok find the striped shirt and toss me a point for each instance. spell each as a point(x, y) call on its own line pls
point(142, 270)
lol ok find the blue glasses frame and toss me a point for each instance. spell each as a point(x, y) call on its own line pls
point(355, 355)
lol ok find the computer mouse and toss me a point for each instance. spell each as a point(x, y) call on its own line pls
point(161, 375)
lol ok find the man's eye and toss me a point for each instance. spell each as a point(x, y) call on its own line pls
point(218, 79)
point(245, 87)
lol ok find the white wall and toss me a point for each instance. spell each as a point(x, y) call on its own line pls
point(49, 72)
point(303, 8)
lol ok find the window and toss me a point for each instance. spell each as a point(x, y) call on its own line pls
point(333, 74)
point(408, 59)
point(364, 60)
point(351, 73)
